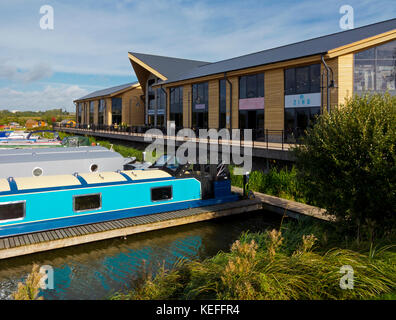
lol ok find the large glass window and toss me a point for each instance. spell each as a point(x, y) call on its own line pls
point(116, 110)
point(375, 69)
point(302, 80)
point(297, 120)
point(200, 105)
point(252, 119)
point(176, 106)
point(251, 86)
point(222, 104)
point(91, 111)
point(101, 111)
point(79, 112)
point(161, 99)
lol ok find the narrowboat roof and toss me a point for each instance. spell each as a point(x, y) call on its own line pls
point(69, 180)
point(55, 154)
point(4, 185)
point(28, 183)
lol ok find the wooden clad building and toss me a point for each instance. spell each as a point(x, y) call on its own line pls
point(277, 91)
point(112, 106)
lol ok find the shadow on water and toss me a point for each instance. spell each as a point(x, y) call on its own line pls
point(96, 270)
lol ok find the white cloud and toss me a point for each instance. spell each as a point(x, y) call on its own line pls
point(34, 73)
point(49, 98)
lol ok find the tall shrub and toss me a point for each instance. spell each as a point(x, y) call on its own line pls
point(347, 162)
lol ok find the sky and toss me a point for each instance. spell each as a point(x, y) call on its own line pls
point(87, 50)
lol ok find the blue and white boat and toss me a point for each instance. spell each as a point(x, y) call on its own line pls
point(33, 204)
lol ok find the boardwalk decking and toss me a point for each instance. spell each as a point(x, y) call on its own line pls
point(291, 208)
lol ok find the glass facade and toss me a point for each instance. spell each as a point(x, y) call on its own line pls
point(79, 112)
point(375, 69)
point(116, 110)
point(302, 80)
point(251, 103)
point(176, 106)
point(91, 112)
point(222, 104)
point(302, 85)
point(251, 86)
point(101, 111)
point(200, 105)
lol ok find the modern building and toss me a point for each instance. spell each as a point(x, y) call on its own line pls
point(276, 91)
point(118, 105)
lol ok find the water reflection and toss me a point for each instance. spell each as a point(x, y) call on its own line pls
point(96, 270)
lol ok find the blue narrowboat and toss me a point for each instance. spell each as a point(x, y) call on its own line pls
point(33, 204)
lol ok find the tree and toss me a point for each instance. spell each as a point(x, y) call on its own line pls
point(347, 162)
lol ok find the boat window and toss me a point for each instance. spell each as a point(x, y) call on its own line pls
point(93, 168)
point(161, 193)
point(12, 211)
point(87, 202)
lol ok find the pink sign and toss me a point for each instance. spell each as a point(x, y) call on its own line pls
point(251, 104)
point(200, 106)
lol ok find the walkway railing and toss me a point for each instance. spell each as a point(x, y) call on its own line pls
point(261, 138)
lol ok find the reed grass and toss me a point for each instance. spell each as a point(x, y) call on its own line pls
point(260, 267)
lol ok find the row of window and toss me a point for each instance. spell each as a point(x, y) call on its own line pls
point(17, 210)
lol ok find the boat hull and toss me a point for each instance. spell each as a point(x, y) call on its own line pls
point(53, 208)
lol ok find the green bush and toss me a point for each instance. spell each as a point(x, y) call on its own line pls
point(347, 163)
point(277, 182)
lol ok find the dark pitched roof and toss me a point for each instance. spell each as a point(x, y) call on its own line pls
point(168, 66)
point(320, 45)
point(105, 92)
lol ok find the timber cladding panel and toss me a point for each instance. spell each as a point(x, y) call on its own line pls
point(132, 107)
point(187, 92)
point(108, 115)
point(96, 112)
point(213, 106)
point(274, 100)
point(345, 78)
point(333, 65)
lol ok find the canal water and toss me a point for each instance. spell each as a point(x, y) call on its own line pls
point(97, 270)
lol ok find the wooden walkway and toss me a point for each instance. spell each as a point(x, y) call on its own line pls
point(48, 240)
point(291, 208)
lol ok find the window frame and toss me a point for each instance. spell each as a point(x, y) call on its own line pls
point(85, 195)
point(293, 72)
point(14, 202)
point(151, 193)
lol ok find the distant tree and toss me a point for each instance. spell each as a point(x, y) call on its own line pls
point(347, 162)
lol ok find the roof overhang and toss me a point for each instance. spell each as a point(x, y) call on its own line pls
point(362, 44)
point(145, 66)
point(134, 86)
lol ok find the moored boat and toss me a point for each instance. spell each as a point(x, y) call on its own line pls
point(58, 161)
point(33, 204)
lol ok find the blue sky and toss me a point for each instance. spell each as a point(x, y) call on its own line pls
point(88, 48)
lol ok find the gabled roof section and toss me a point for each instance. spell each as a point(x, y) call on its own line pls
point(311, 47)
point(110, 91)
point(164, 67)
